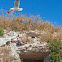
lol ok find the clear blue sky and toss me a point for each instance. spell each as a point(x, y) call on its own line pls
point(50, 10)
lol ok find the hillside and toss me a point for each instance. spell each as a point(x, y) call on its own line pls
point(29, 38)
point(24, 23)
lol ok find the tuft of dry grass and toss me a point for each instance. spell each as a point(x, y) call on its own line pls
point(5, 50)
point(6, 58)
point(46, 36)
point(4, 54)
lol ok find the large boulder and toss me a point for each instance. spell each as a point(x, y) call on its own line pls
point(26, 46)
point(34, 51)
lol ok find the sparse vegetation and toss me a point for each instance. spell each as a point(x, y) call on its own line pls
point(56, 50)
point(4, 54)
point(48, 32)
point(23, 22)
point(1, 31)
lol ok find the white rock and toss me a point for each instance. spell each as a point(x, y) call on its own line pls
point(54, 34)
point(13, 52)
point(5, 31)
point(30, 48)
point(13, 33)
point(20, 35)
point(4, 40)
point(5, 35)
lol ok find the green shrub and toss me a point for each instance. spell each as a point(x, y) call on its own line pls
point(56, 50)
point(1, 31)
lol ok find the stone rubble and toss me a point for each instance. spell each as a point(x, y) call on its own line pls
point(24, 44)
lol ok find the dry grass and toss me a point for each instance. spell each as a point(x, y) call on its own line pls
point(4, 54)
point(25, 39)
point(47, 36)
point(5, 50)
point(6, 58)
point(21, 23)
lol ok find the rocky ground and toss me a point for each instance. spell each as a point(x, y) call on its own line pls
point(20, 46)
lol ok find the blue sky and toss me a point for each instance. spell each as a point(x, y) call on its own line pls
point(50, 10)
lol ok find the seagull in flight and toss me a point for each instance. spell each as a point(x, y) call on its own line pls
point(16, 7)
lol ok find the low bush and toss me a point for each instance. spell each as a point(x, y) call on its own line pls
point(56, 51)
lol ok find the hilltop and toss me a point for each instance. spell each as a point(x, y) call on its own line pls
point(28, 38)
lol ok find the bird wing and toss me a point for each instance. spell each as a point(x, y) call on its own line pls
point(16, 4)
point(10, 11)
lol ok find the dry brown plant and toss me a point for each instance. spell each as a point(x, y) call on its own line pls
point(21, 23)
point(4, 54)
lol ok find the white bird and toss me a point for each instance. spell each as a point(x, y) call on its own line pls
point(16, 7)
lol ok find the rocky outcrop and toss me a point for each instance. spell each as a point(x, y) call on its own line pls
point(25, 45)
point(35, 51)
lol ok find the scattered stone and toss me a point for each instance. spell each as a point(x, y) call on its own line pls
point(5, 32)
point(13, 40)
point(5, 35)
point(8, 42)
point(33, 34)
point(19, 43)
point(20, 35)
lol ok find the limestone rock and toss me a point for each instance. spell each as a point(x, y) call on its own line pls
point(33, 34)
point(24, 38)
point(25, 45)
point(5, 35)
